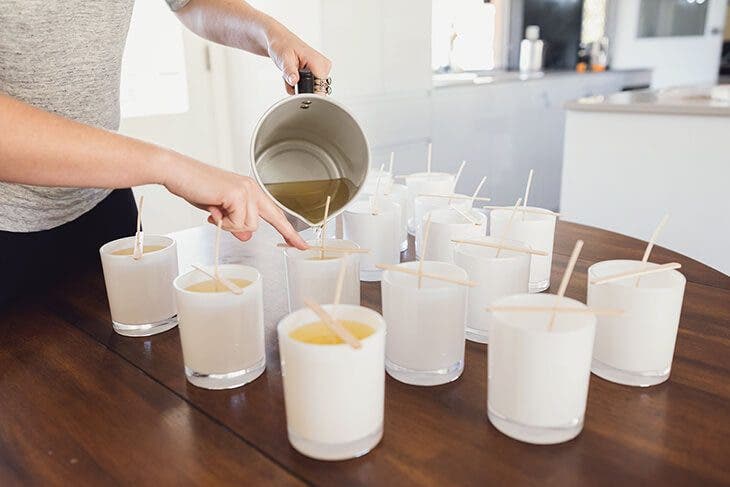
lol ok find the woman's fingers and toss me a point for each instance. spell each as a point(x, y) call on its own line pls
point(272, 214)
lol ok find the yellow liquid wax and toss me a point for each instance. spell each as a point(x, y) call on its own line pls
point(318, 333)
point(213, 286)
point(147, 249)
point(308, 198)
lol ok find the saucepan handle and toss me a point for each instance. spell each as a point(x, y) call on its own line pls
point(309, 84)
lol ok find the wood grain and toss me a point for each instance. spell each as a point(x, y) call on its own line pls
point(72, 411)
point(673, 433)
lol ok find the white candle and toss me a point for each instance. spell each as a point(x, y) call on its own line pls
point(424, 204)
point(448, 224)
point(222, 333)
point(425, 326)
point(333, 393)
point(538, 378)
point(377, 232)
point(308, 276)
point(141, 298)
point(497, 277)
point(535, 229)
point(426, 183)
point(635, 348)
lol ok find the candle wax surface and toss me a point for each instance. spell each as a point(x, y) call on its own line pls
point(213, 286)
point(147, 249)
point(318, 333)
point(321, 258)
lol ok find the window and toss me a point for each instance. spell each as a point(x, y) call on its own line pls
point(465, 36)
point(667, 18)
point(154, 80)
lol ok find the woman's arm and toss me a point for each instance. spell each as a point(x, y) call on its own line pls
point(43, 149)
point(235, 23)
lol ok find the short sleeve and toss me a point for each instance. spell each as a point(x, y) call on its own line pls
point(177, 4)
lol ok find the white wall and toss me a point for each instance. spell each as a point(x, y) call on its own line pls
point(676, 60)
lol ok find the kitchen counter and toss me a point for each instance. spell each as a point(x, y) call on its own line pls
point(634, 77)
point(630, 158)
point(677, 101)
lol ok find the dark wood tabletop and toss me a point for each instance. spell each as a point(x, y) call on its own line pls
point(81, 404)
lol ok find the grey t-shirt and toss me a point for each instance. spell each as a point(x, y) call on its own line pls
point(63, 57)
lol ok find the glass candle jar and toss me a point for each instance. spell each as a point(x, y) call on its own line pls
point(448, 224)
point(537, 230)
point(311, 274)
point(141, 297)
point(425, 325)
point(498, 276)
point(222, 333)
point(538, 376)
point(333, 393)
point(635, 348)
point(379, 232)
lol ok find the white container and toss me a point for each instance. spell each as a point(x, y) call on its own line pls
point(538, 379)
point(141, 297)
point(426, 183)
point(333, 394)
point(448, 224)
point(497, 277)
point(399, 195)
point(424, 204)
point(308, 277)
point(637, 347)
point(377, 232)
point(537, 230)
point(425, 326)
point(222, 334)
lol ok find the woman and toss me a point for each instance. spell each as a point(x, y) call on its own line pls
point(64, 174)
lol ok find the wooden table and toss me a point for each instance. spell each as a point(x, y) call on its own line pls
point(79, 403)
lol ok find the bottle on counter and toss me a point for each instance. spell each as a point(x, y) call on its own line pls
point(599, 55)
point(531, 51)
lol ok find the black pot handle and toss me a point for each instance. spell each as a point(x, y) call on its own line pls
point(309, 84)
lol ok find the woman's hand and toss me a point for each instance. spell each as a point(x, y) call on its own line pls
point(290, 54)
point(236, 199)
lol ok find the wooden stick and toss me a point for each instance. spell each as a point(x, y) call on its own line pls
point(390, 166)
point(467, 216)
point(324, 227)
point(540, 211)
point(524, 250)
point(509, 226)
point(424, 246)
point(329, 249)
point(336, 327)
point(455, 197)
point(479, 188)
point(527, 190)
point(374, 199)
point(566, 279)
point(427, 275)
point(230, 285)
point(216, 252)
point(638, 272)
point(559, 309)
point(650, 245)
point(138, 251)
point(428, 160)
point(340, 282)
point(458, 173)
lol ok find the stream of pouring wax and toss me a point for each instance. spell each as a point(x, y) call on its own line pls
point(318, 333)
point(308, 198)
